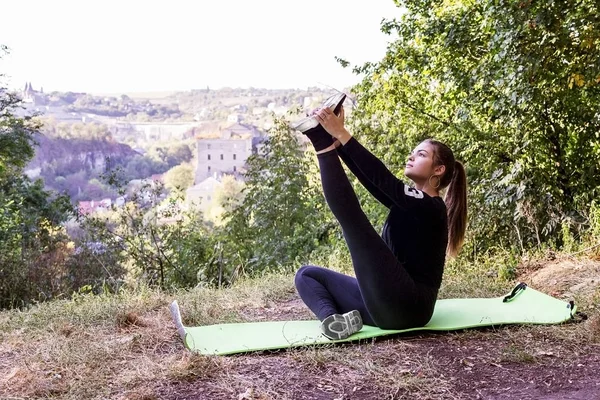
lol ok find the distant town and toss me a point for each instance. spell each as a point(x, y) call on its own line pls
point(210, 132)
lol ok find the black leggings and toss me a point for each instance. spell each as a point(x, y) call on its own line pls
point(383, 291)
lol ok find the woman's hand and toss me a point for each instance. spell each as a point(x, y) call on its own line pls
point(333, 124)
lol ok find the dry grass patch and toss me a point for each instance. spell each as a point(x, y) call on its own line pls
point(566, 278)
point(385, 369)
point(111, 346)
point(592, 326)
point(516, 354)
point(193, 366)
point(206, 307)
point(89, 363)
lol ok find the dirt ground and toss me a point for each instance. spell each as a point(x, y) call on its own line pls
point(547, 363)
point(470, 367)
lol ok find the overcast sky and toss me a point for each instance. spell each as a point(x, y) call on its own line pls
point(113, 46)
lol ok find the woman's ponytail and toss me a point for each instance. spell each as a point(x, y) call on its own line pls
point(456, 203)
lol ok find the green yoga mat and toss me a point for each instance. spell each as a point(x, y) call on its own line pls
point(523, 305)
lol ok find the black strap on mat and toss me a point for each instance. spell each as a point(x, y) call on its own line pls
point(578, 316)
point(516, 290)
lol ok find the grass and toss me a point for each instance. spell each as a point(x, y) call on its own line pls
point(125, 346)
point(96, 345)
point(515, 354)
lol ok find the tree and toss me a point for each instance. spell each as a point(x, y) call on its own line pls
point(229, 195)
point(282, 217)
point(226, 198)
point(180, 177)
point(16, 133)
point(32, 243)
point(140, 167)
point(513, 87)
point(153, 238)
point(179, 154)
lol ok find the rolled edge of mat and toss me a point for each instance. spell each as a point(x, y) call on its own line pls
point(176, 315)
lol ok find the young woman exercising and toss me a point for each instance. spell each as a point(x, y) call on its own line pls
point(398, 274)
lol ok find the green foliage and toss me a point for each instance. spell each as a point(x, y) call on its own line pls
point(179, 177)
point(594, 220)
point(171, 155)
point(140, 167)
point(226, 197)
point(33, 247)
point(179, 154)
point(16, 135)
point(513, 88)
point(568, 241)
point(282, 218)
point(229, 195)
point(153, 238)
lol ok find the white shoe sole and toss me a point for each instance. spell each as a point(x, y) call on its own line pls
point(311, 122)
point(341, 326)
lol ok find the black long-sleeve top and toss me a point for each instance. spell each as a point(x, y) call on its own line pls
point(416, 229)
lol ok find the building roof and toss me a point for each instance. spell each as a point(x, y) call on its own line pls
point(239, 129)
point(206, 184)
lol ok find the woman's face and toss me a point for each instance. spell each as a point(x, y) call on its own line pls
point(419, 166)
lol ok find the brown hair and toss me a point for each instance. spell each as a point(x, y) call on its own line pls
point(455, 179)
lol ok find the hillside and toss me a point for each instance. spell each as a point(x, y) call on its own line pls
point(87, 153)
point(126, 347)
point(75, 166)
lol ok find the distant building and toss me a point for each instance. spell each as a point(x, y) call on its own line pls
point(240, 108)
point(201, 194)
point(120, 201)
point(258, 111)
point(228, 153)
point(154, 131)
point(234, 118)
point(278, 110)
point(89, 207)
point(29, 95)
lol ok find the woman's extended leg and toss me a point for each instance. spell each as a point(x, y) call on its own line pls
point(327, 292)
point(389, 293)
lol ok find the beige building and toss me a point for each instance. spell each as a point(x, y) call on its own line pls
point(227, 153)
point(201, 194)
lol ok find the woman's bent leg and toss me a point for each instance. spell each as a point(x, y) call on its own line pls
point(327, 292)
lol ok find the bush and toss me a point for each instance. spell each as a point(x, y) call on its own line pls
point(153, 239)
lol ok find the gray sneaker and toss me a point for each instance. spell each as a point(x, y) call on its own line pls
point(334, 103)
point(341, 326)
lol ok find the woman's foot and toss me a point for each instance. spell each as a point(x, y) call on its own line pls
point(334, 103)
point(341, 326)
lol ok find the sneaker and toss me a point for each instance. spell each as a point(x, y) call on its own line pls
point(334, 103)
point(341, 326)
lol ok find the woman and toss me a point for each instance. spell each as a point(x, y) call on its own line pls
point(398, 274)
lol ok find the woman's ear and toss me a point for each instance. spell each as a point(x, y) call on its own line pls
point(439, 170)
